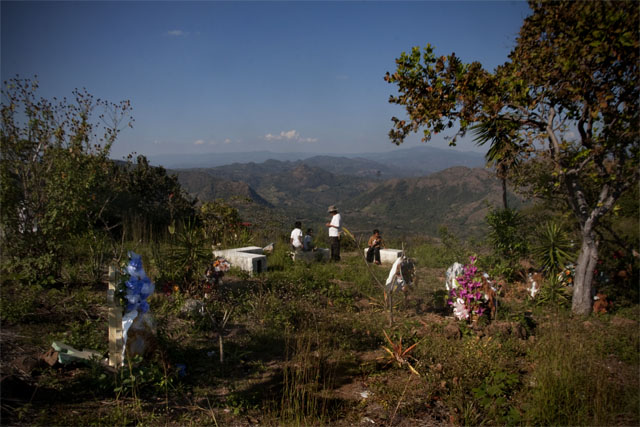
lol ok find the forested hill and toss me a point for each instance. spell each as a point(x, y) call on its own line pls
point(457, 198)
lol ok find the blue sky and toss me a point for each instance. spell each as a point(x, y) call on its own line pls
point(213, 76)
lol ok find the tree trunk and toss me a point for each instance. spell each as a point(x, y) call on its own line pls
point(583, 288)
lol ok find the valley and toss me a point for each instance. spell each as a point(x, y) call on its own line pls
point(370, 194)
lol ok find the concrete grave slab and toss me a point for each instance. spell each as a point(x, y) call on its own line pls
point(249, 258)
point(387, 256)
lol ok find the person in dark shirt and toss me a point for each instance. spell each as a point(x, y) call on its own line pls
point(375, 243)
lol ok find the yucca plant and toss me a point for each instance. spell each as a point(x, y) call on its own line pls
point(553, 249)
point(189, 253)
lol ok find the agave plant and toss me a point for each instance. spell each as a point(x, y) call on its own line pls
point(553, 249)
point(398, 354)
point(189, 253)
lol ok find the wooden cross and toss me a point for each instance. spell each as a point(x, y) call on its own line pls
point(115, 320)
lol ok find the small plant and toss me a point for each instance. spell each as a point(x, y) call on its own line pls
point(554, 292)
point(18, 302)
point(398, 354)
point(553, 248)
point(138, 376)
point(493, 396)
point(505, 234)
point(189, 254)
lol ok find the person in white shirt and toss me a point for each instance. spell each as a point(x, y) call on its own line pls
point(296, 236)
point(335, 227)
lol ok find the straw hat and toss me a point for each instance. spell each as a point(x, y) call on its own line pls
point(332, 208)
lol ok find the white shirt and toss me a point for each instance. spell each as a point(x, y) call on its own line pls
point(296, 238)
point(336, 225)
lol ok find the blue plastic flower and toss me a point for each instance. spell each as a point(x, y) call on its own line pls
point(143, 307)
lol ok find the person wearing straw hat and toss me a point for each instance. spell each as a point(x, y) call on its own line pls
point(335, 227)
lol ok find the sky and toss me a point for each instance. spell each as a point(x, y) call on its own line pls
point(235, 76)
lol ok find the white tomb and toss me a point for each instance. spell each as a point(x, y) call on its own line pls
point(249, 258)
point(387, 256)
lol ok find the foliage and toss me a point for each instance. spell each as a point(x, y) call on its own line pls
point(152, 195)
point(56, 176)
point(569, 87)
point(222, 224)
point(431, 255)
point(505, 233)
point(554, 292)
point(20, 307)
point(507, 238)
point(493, 394)
point(503, 152)
point(87, 334)
point(188, 254)
point(142, 377)
point(455, 249)
point(398, 354)
point(304, 335)
point(570, 384)
point(553, 248)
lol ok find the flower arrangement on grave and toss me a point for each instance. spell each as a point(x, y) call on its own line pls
point(466, 298)
point(135, 286)
point(134, 289)
point(215, 271)
point(565, 277)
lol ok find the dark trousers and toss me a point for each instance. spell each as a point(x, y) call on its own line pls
point(335, 248)
point(373, 253)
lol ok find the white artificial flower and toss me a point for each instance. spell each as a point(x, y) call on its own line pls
point(460, 310)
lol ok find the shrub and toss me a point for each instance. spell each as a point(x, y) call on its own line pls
point(553, 248)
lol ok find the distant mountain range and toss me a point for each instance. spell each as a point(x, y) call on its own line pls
point(369, 194)
point(402, 162)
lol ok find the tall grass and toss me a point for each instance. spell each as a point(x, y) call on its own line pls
point(308, 377)
point(573, 382)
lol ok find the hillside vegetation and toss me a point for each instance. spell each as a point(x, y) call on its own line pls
point(522, 311)
point(457, 198)
point(312, 344)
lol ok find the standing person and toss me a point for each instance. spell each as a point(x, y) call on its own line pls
point(307, 242)
point(296, 236)
point(375, 243)
point(335, 227)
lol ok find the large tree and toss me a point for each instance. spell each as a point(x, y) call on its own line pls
point(570, 87)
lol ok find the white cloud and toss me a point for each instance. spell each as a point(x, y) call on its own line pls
point(290, 135)
point(199, 142)
point(227, 141)
point(176, 33)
